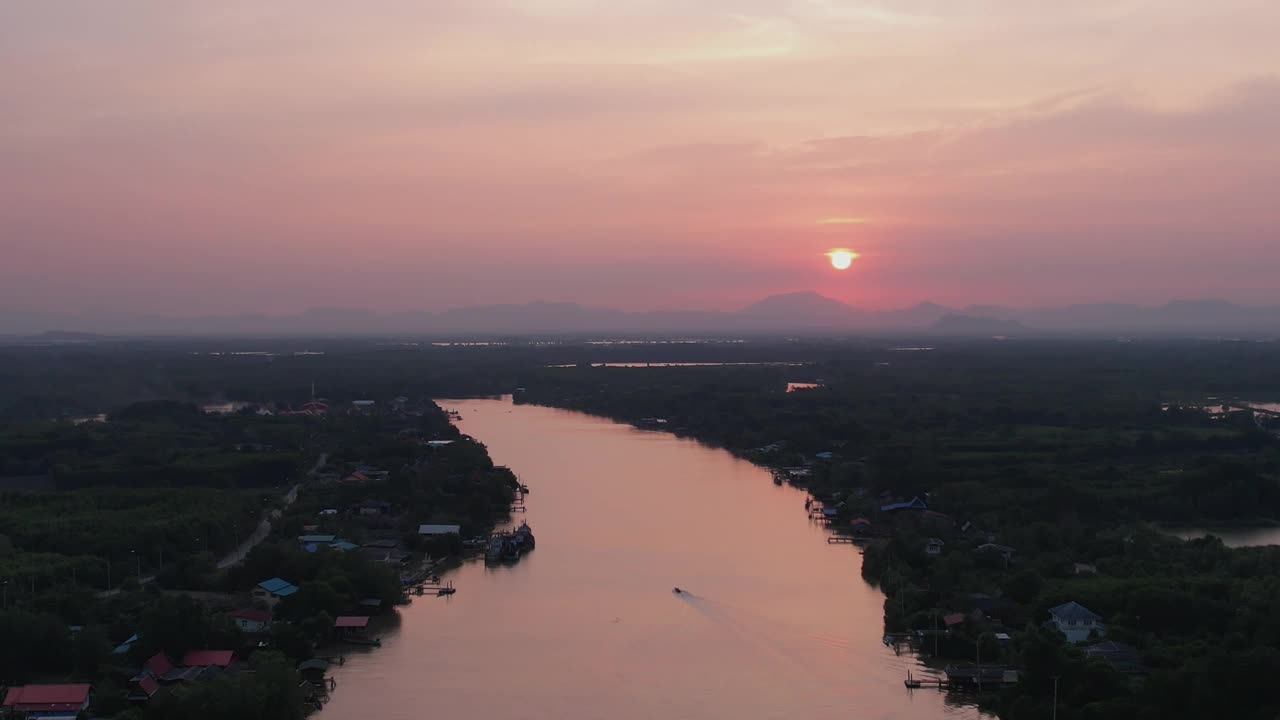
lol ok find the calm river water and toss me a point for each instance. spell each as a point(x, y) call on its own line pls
point(779, 623)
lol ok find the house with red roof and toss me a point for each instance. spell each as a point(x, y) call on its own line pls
point(142, 687)
point(252, 620)
point(47, 701)
point(208, 658)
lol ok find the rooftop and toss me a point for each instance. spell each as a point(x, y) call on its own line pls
point(439, 529)
point(277, 586)
point(1073, 611)
point(46, 698)
point(351, 621)
point(253, 614)
point(201, 658)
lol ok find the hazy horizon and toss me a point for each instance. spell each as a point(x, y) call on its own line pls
point(192, 159)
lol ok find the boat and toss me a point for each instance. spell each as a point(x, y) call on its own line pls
point(524, 536)
point(911, 682)
point(360, 640)
point(497, 543)
point(677, 591)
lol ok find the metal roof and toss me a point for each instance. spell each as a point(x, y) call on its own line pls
point(439, 529)
point(276, 586)
point(201, 658)
point(56, 697)
point(1073, 611)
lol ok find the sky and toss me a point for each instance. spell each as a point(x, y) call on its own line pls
point(191, 158)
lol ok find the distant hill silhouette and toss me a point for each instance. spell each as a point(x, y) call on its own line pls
point(798, 312)
point(956, 324)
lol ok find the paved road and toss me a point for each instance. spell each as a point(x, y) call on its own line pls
point(260, 533)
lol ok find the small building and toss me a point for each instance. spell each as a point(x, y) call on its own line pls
point(1076, 621)
point(273, 591)
point(933, 547)
point(371, 605)
point(859, 525)
point(1003, 550)
point(124, 647)
point(142, 688)
point(1085, 569)
point(47, 701)
point(355, 478)
point(953, 620)
point(1122, 658)
point(914, 503)
point(318, 539)
point(351, 626)
point(208, 658)
point(252, 620)
point(980, 675)
point(313, 670)
point(439, 529)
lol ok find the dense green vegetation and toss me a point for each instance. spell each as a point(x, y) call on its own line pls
point(163, 489)
point(1065, 451)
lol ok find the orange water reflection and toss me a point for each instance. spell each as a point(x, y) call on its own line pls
point(779, 623)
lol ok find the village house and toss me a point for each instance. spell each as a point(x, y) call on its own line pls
point(252, 620)
point(1076, 621)
point(351, 626)
point(914, 503)
point(273, 591)
point(46, 701)
point(221, 659)
point(933, 547)
point(996, 549)
point(1122, 658)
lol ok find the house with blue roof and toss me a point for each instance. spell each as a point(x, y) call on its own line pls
point(273, 591)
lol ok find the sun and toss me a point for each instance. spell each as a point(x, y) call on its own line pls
point(841, 258)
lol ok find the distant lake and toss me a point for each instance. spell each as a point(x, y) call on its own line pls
point(1234, 537)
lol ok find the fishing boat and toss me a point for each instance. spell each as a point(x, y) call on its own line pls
point(497, 544)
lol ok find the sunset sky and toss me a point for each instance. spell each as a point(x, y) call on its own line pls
point(206, 157)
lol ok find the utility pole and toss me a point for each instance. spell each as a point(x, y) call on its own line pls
point(1055, 696)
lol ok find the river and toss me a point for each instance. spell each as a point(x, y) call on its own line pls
point(778, 623)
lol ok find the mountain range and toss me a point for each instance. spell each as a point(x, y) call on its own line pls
point(792, 313)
